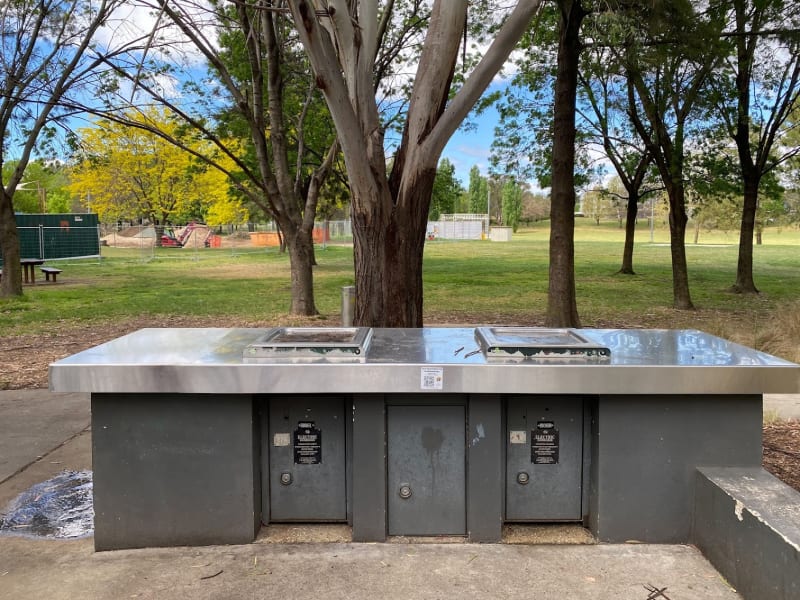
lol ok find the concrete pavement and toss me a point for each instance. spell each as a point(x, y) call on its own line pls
point(43, 433)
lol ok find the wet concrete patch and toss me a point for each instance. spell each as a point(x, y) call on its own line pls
point(58, 508)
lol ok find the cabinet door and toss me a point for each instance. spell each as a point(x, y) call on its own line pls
point(427, 470)
point(307, 473)
point(544, 458)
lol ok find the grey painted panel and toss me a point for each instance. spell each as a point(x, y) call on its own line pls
point(369, 468)
point(426, 454)
point(174, 470)
point(316, 485)
point(262, 406)
point(485, 469)
point(747, 523)
point(647, 450)
point(552, 490)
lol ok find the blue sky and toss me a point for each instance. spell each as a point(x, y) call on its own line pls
point(469, 147)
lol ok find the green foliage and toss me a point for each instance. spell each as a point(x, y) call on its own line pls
point(478, 191)
point(132, 172)
point(512, 203)
point(446, 191)
point(522, 144)
point(43, 187)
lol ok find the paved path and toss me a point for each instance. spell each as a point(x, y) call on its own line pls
point(34, 422)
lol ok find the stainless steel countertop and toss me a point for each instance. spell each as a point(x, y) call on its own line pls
point(424, 360)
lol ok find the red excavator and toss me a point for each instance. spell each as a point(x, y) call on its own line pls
point(170, 240)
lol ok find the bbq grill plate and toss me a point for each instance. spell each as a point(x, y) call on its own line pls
point(311, 344)
point(534, 343)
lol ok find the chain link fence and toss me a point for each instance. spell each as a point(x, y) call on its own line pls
point(194, 239)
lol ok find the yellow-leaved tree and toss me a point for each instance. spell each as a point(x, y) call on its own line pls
point(128, 172)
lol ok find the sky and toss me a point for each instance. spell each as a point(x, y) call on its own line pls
point(469, 147)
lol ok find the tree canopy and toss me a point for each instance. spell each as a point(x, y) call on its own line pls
point(130, 173)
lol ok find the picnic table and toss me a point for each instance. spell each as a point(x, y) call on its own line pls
point(29, 268)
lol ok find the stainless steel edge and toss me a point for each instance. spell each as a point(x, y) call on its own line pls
point(643, 362)
point(294, 379)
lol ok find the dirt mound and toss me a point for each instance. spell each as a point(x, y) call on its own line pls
point(131, 231)
point(121, 241)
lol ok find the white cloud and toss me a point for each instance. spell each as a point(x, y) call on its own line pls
point(140, 22)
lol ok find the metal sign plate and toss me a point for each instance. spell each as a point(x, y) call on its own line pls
point(307, 444)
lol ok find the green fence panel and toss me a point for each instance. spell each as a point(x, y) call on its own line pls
point(53, 236)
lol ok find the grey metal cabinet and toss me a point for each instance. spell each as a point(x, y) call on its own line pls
point(307, 460)
point(426, 470)
point(544, 458)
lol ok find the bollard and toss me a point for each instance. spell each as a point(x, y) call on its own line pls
point(348, 305)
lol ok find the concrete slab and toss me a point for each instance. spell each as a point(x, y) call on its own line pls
point(782, 406)
point(43, 569)
point(35, 568)
point(34, 422)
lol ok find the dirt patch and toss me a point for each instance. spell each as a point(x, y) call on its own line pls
point(24, 358)
point(782, 451)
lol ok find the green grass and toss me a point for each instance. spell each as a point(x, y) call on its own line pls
point(465, 282)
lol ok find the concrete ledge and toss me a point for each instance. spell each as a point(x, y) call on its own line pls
point(747, 523)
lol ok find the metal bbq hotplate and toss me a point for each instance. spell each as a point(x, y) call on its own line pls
point(534, 344)
point(311, 344)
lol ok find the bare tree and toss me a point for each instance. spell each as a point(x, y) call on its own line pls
point(50, 60)
point(389, 210)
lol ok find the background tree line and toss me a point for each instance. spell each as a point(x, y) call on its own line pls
point(296, 104)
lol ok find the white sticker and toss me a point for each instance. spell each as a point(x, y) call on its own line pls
point(518, 437)
point(432, 378)
point(281, 439)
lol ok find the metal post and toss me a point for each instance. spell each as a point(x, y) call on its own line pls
point(348, 305)
point(652, 218)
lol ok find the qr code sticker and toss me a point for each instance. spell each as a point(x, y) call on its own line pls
point(432, 378)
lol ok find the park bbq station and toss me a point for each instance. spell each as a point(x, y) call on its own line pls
point(201, 436)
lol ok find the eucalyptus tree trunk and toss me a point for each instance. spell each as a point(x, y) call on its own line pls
point(562, 308)
point(11, 282)
point(389, 212)
point(300, 247)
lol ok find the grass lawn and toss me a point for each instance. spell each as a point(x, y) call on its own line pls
point(471, 282)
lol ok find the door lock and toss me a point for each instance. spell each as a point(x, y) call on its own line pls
point(523, 478)
point(405, 491)
point(286, 478)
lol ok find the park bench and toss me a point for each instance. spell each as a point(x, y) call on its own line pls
point(50, 271)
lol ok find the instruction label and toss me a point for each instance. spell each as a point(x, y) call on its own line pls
point(544, 444)
point(518, 437)
point(281, 439)
point(307, 444)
